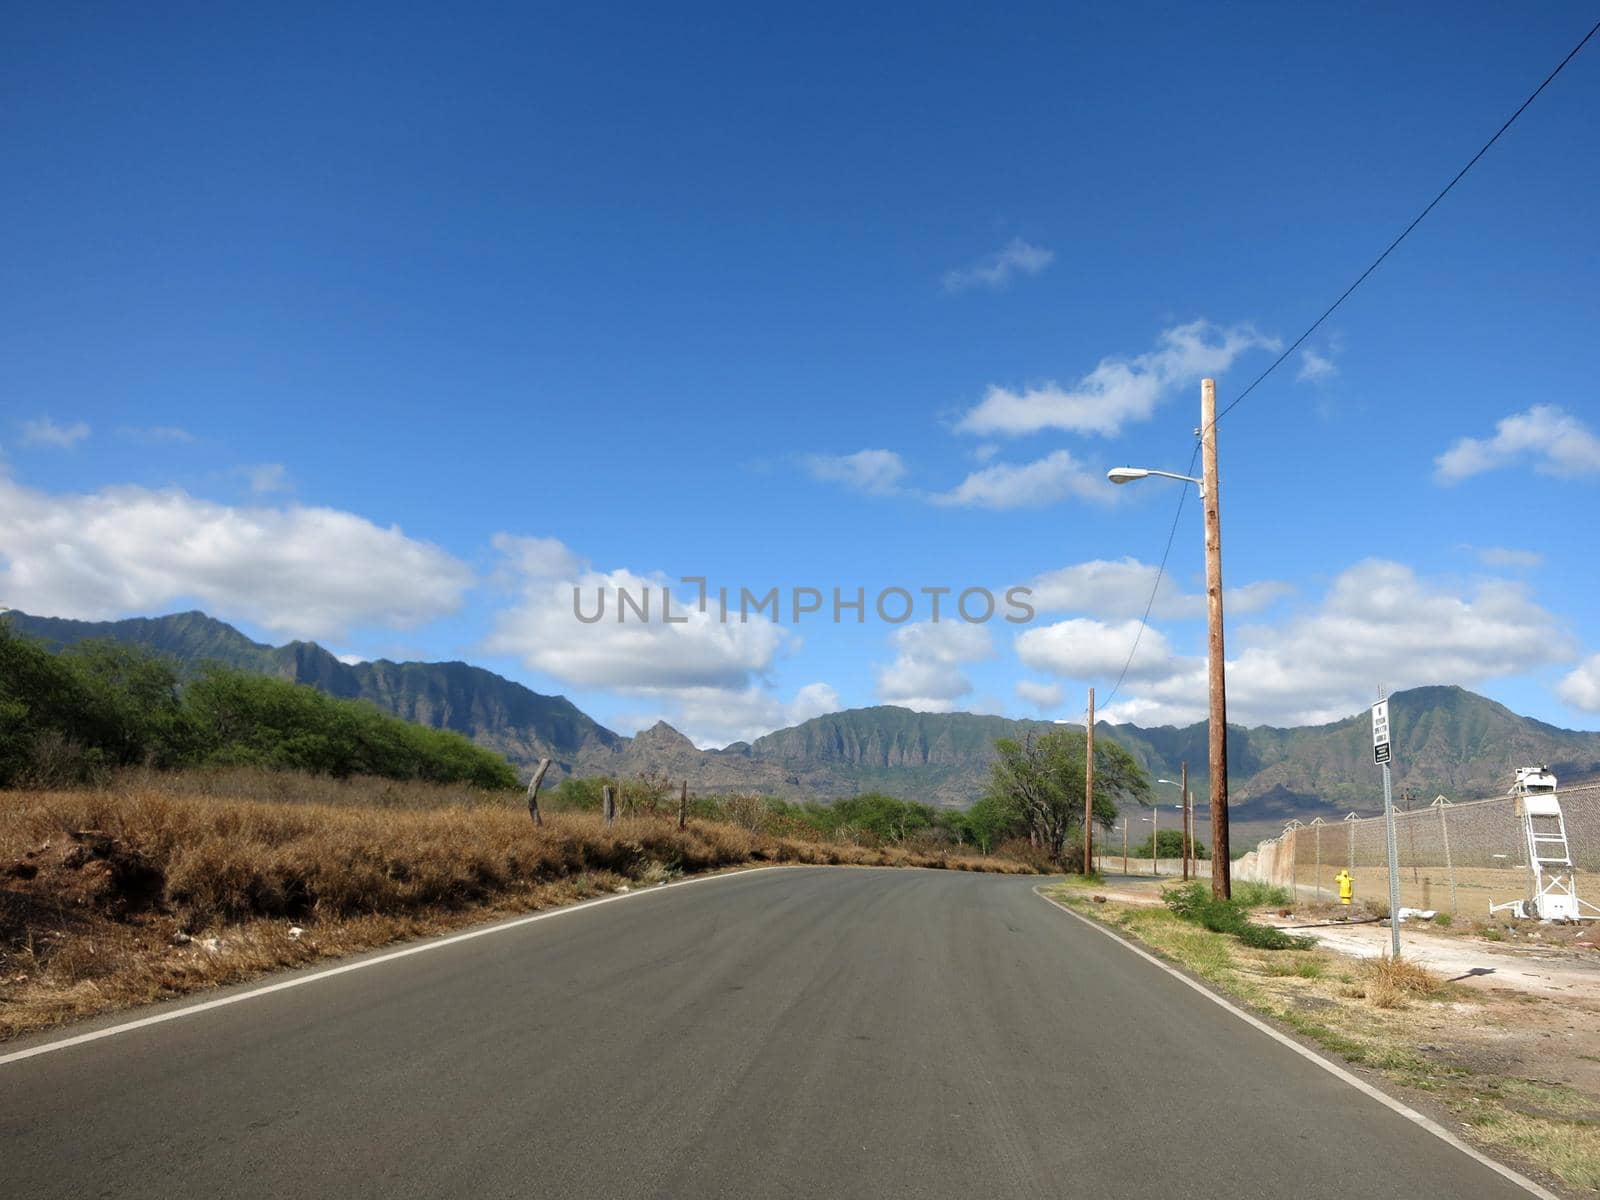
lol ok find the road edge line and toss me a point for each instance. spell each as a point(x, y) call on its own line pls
point(423, 947)
point(1327, 1064)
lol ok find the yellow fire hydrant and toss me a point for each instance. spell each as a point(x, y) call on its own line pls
point(1347, 886)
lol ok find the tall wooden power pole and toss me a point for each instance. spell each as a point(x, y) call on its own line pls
point(1088, 789)
point(1221, 884)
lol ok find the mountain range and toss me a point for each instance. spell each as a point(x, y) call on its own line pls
point(1447, 740)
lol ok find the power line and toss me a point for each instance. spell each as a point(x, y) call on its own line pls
point(1144, 621)
point(1406, 232)
point(1183, 494)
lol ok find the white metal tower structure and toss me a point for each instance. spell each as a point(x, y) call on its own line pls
point(1555, 896)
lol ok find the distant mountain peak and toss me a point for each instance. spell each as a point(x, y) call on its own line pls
point(663, 737)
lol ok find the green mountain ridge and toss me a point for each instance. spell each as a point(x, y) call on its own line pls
point(495, 712)
point(1447, 740)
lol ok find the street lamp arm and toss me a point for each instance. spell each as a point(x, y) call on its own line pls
point(1129, 474)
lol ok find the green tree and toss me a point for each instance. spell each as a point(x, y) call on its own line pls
point(1039, 783)
point(886, 818)
point(130, 708)
point(39, 697)
point(1169, 845)
point(990, 821)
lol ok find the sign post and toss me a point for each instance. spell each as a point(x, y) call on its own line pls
point(1380, 755)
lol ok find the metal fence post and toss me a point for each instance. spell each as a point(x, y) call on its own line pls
point(1317, 825)
point(1444, 832)
point(1291, 833)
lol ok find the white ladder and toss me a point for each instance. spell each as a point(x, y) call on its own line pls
point(1555, 895)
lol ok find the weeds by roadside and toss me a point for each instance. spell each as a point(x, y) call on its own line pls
point(1194, 902)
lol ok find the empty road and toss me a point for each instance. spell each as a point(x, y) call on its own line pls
point(795, 1032)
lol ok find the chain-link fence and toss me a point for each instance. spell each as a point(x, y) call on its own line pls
point(1453, 857)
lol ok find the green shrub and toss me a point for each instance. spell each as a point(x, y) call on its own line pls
point(1268, 937)
point(1194, 902)
point(1252, 893)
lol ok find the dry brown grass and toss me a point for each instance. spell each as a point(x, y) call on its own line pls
point(1392, 982)
point(141, 891)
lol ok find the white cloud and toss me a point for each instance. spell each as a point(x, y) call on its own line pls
point(1378, 623)
point(45, 432)
point(996, 271)
point(675, 647)
point(1581, 688)
point(715, 717)
point(1546, 438)
point(1314, 366)
point(705, 676)
point(1026, 485)
point(307, 572)
point(266, 478)
point(535, 558)
point(1121, 588)
point(1119, 390)
point(1506, 556)
point(877, 471)
point(926, 672)
point(1082, 648)
point(1044, 696)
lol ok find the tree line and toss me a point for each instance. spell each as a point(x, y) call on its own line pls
point(1034, 795)
point(69, 717)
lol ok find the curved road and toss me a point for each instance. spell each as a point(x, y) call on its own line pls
point(792, 1032)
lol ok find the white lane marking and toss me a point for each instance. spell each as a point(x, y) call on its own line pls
point(1328, 1065)
point(301, 980)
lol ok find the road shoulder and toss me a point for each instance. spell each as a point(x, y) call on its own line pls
point(1444, 1049)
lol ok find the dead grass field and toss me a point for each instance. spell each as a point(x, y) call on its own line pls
point(151, 889)
point(1516, 1073)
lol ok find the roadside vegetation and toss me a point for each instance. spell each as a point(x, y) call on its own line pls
point(1036, 793)
point(1169, 844)
point(1194, 902)
point(1475, 1054)
point(71, 718)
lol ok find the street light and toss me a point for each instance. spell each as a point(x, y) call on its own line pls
point(1188, 818)
point(1183, 818)
point(1221, 884)
point(1129, 474)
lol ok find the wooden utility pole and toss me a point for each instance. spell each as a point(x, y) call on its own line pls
point(1188, 812)
point(1183, 777)
point(1088, 789)
point(683, 805)
point(607, 808)
point(533, 791)
point(1221, 884)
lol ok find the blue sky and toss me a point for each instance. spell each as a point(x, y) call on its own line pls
point(388, 329)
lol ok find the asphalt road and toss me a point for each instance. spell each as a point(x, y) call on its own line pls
point(838, 1032)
